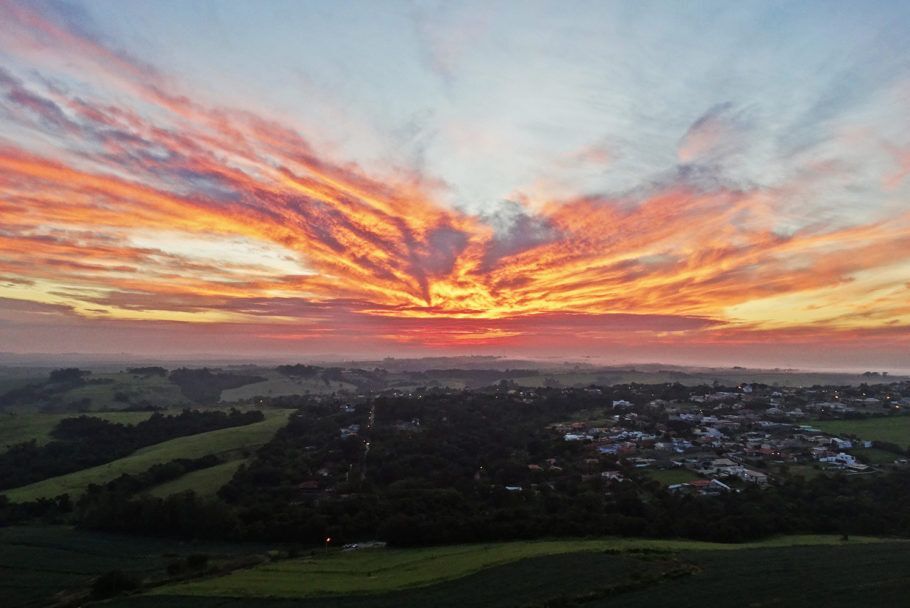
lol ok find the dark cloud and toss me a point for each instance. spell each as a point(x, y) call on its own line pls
point(443, 246)
point(515, 231)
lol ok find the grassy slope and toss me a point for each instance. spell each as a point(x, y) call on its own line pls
point(17, 428)
point(158, 390)
point(206, 482)
point(223, 442)
point(376, 571)
point(894, 429)
point(277, 385)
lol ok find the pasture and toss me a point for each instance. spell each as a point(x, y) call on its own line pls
point(893, 429)
point(230, 444)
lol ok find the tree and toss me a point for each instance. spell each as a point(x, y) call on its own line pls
point(113, 583)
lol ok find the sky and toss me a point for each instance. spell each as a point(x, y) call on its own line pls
point(706, 183)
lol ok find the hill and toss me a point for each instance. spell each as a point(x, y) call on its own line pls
point(231, 444)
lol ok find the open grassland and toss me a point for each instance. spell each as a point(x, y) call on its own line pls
point(36, 563)
point(18, 428)
point(380, 570)
point(205, 482)
point(230, 443)
point(893, 429)
point(277, 384)
point(669, 477)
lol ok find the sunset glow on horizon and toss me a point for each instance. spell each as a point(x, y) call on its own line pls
point(420, 178)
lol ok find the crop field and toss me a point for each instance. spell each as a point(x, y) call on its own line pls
point(205, 482)
point(835, 577)
point(893, 429)
point(230, 443)
point(20, 427)
point(36, 562)
point(836, 574)
point(379, 570)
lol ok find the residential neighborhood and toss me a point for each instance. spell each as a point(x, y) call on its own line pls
point(724, 439)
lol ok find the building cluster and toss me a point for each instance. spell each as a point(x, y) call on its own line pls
point(717, 441)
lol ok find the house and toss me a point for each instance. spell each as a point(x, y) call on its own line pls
point(841, 444)
point(576, 437)
point(722, 467)
point(710, 486)
point(841, 459)
point(752, 476)
point(641, 463)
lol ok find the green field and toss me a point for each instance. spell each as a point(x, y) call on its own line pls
point(669, 477)
point(874, 456)
point(17, 428)
point(380, 570)
point(893, 429)
point(230, 443)
point(205, 482)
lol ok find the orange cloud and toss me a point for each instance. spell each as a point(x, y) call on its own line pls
point(335, 251)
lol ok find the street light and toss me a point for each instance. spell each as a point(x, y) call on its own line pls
point(328, 539)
